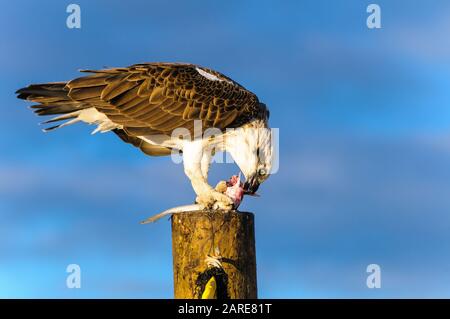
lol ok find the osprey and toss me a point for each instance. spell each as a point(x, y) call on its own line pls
point(163, 108)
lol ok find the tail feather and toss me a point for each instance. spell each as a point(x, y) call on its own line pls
point(56, 109)
point(53, 99)
point(75, 120)
point(67, 116)
point(43, 91)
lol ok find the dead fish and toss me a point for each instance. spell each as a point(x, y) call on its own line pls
point(234, 190)
point(174, 210)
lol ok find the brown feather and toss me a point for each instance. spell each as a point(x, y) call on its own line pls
point(116, 88)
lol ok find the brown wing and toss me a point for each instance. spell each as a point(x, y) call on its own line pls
point(156, 98)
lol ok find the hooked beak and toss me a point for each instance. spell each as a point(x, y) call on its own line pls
point(251, 186)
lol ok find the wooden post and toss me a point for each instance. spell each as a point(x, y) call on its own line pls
point(195, 235)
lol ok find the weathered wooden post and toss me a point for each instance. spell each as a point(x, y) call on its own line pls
point(195, 235)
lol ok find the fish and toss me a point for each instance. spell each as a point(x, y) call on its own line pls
point(234, 189)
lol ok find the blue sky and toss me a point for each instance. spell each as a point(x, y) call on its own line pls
point(364, 159)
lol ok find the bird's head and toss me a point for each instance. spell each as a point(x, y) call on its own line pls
point(256, 173)
point(252, 152)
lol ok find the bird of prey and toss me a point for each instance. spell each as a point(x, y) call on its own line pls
point(168, 107)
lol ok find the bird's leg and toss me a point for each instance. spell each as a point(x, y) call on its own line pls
point(205, 162)
point(207, 196)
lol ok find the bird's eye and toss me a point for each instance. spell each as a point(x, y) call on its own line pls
point(262, 172)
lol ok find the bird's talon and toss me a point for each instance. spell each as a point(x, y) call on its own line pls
point(215, 200)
